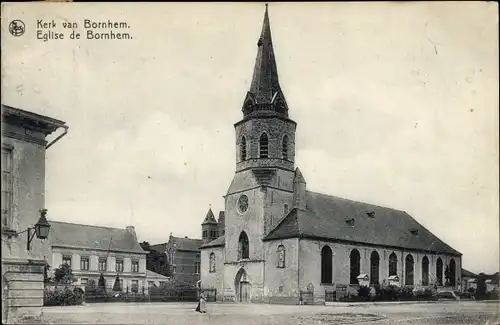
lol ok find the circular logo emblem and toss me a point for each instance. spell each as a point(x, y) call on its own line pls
point(17, 28)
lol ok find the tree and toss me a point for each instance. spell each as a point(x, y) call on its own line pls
point(447, 276)
point(145, 246)
point(117, 286)
point(102, 282)
point(64, 275)
point(481, 286)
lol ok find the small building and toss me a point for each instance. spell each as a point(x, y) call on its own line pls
point(469, 280)
point(183, 256)
point(155, 279)
point(91, 250)
point(24, 145)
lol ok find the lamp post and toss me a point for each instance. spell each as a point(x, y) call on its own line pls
point(41, 229)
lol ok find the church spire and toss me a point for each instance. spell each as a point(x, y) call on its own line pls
point(265, 91)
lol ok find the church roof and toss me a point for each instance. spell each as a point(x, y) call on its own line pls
point(181, 244)
point(337, 219)
point(210, 218)
point(215, 243)
point(72, 235)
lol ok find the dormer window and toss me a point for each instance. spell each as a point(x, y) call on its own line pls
point(414, 231)
point(248, 107)
point(350, 222)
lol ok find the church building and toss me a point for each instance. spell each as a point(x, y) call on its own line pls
point(280, 240)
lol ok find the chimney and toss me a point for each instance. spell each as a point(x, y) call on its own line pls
point(299, 190)
point(131, 229)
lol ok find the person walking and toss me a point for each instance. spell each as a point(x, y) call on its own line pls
point(203, 303)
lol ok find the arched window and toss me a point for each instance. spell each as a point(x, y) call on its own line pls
point(452, 273)
point(355, 266)
point(212, 263)
point(263, 146)
point(439, 271)
point(284, 147)
point(425, 271)
point(197, 264)
point(281, 256)
point(374, 267)
point(243, 249)
point(393, 264)
point(409, 270)
point(243, 148)
point(326, 264)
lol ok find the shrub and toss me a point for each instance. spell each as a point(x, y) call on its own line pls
point(62, 297)
point(364, 293)
point(390, 293)
point(493, 295)
point(425, 294)
point(406, 293)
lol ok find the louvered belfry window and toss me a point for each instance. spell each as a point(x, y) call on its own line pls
point(263, 146)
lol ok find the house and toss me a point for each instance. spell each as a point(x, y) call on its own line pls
point(94, 250)
point(155, 279)
point(283, 243)
point(183, 256)
point(469, 280)
point(24, 146)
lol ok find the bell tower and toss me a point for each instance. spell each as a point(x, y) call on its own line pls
point(261, 192)
point(209, 227)
point(265, 137)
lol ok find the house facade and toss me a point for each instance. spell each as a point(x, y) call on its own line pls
point(282, 240)
point(183, 257)
point(93, 250)
point(24, 145)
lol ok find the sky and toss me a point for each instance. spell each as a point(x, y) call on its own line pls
point(396, 105)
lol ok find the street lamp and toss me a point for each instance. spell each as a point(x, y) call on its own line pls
point(41, 229)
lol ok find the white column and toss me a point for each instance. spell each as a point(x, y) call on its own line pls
point(127, 265)
point(56, 260)
point(75, 262)
point(94, 263)
point(142, 265)
point(111, 264)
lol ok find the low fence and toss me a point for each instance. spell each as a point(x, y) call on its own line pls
point(330, 296)
point(307, 297)
point(210, 294)
point(154, 295)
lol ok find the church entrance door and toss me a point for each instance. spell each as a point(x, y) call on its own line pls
point(242, 286)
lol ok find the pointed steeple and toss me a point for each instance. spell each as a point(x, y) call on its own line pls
point(265, 92)
point(210, 218)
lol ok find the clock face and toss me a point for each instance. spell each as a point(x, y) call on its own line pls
point(243, 203)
